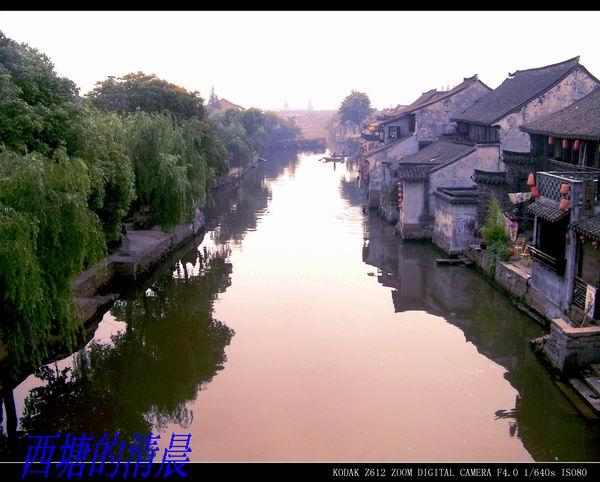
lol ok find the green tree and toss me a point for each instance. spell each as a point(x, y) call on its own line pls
point(148, 93)
point(38, 109)
point(213, 101)
point(102, 147)
point(494, 230)
point(47, 236)
point(355, 107)
point(494, 234)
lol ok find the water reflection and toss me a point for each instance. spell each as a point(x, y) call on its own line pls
point(548, 425)
point(144, 378)
point(416, 362)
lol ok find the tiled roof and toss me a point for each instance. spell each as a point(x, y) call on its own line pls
point(425, 99)
point(517, 90)
point(580, 120)
point(546, 211)
point(589, 226)
point(226, 104)
point(439, 154)
point(413, 172)
point(458, 195)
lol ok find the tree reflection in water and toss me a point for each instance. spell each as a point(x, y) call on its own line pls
point(144, 379)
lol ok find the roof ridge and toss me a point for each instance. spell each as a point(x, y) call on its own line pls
point(546, 66)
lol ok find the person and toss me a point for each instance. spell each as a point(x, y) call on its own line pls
point(125, 239)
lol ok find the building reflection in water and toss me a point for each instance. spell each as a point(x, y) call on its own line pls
point(546, 422)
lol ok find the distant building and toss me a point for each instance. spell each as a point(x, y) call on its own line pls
point(225, 104)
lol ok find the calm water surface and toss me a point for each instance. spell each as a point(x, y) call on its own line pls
point(299, 328)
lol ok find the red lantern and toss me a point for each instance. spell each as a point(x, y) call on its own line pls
point(577, 145)
point(551, 140)
point(531, 179)
point(595, 244)
point(565, 144)
point(535, 192)
point(564, 189)
point(564, 204)
point(583, 238)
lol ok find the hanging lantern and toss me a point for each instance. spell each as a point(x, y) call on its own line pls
point(577, 145)
point(564, 189)
point(564, 204)
point(551, 141)
point(583, 238)
point(531, 179)
point(565, 144)
point(535, 192)
point(595, 244)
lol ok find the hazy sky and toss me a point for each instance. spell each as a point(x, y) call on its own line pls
point(263, 59)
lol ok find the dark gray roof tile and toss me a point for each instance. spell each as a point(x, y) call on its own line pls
point(546, 211)
point(438, 154)
point(580, 120)
point(588, 226)
point(517, 90)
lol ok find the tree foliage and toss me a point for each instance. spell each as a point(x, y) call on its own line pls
point(102, 147)
point(246, 133)
point(494, 230)
point(47, 236)
point(494, 235)
point(355, 107)
point(38, 109)
point(171, 334)
point(148, 93)
point(172, 172)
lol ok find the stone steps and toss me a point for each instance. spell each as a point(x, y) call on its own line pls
point(573, 396)
point(587, 393)
point(594, 384)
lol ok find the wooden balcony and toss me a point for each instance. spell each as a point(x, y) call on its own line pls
point(553, 264)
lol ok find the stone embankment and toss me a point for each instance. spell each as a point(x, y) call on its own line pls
point(571, 352)
point(146, 249)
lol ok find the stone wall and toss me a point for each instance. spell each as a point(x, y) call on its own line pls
point(571, 349)
point(512, 279)
point(454, 225)
point(434, 120)
point(547, 281)
point(403, 123)
point(395, 150)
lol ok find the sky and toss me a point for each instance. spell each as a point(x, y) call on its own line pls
point(263, 59)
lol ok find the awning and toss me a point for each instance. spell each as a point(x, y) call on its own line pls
point(589, 226)
point(546, 211)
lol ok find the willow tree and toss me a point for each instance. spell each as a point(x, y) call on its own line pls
point(47, 236)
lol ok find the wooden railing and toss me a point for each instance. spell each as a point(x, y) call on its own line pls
point(370, 137)
point(579, 292)
point(554, 264)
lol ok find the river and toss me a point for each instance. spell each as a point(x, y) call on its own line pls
point(300, 328)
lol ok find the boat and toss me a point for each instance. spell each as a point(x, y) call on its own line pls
point(333, 158)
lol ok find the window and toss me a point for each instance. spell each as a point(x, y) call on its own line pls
point(393, 132)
